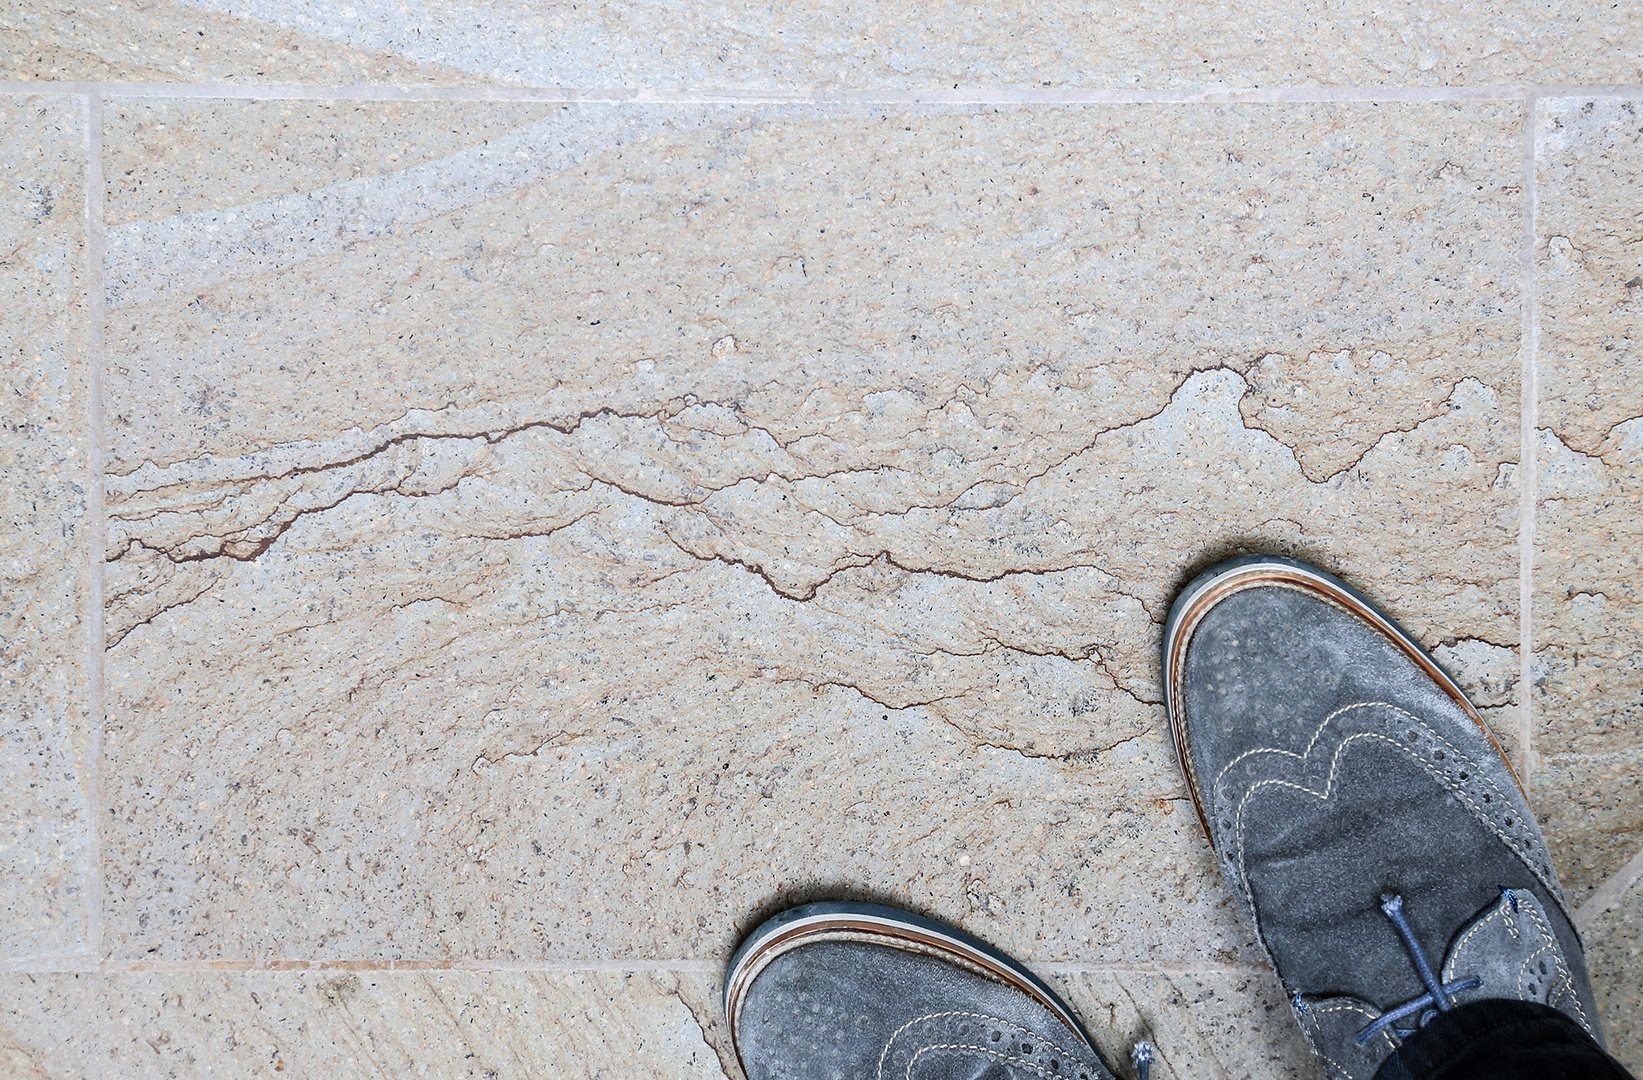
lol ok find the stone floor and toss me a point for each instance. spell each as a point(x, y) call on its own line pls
point(477, 547)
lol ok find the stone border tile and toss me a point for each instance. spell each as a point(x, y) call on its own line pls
point(345, 1024)
point(1588, 571)
point(636, 44)
point(44, 546)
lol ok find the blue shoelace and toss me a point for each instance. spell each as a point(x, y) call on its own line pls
point(1438, 997)
point(1141, 1058)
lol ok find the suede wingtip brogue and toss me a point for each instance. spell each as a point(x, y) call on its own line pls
point(860, 991)
point(1367, 821)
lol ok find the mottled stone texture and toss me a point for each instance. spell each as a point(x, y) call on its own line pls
point(1614, 951)
point(351, 1024)
point(581, 542)
point(44, 540)
point(1222, 1023)
point(1589, 525)
point(831, 43)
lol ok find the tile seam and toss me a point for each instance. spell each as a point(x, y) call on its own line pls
point(1208, 95)
point(70, 964)
point(1609, 894)
point(1528, 420)
point(95, 630)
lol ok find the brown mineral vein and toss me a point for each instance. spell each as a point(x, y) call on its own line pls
point(1436, 412)
point(818, 687)
point(115, 637)
point(1080, 756)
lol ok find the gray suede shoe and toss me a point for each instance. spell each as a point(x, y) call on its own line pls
point(1362, 813)
point(860, 992)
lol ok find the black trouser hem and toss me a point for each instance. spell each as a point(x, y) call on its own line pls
point(1503, 1040)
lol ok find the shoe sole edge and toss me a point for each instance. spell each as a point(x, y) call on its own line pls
point(840, 920)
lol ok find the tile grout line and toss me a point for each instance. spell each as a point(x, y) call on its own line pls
point(1609, 894)
point(95, 633)
point(812, 95)
point(1529, 408)
point(69, 964)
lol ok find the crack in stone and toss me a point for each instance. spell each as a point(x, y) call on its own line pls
point(1451, 642)
point(259, 547)
point(1094, 658)
point(818, 687)
point(239, 545)
point(1380, 437)
point(974, 742)
point(1085, 755)
point(565, 425)
point(1147, 1027)
point(1608, 433)
point(569, 738)
point(121, 635)
point(704, 1026)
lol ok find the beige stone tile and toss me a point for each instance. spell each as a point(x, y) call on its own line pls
point(44, 543)
point(1588, 529)
point(1614, 953)
point(161, 41)
point(164, 158)
point(831, 44)
point(1590, 159)
point(348, 1024)
point(590, 541)
point(1234, 1024)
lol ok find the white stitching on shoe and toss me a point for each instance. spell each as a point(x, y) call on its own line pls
point(883, 1054)
point(1318, 734)
point(1453, 962)
point(1532, 855)
point(1560, 986)
point(1333, 1062)
point(1362, 1010)
point(1309, 1031)
point(1238, 831)
point(1007, 1058)
point(1564, 978)
point(1523, 967)
point(1329, 784)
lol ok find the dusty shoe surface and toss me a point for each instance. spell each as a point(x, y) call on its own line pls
point(859, 991)
point(1366, 821)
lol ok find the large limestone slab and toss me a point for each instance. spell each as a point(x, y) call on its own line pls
point(585, 542)
point(348, 1024)
point(45, 541)
point(1589, 524)
point(640, 44)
